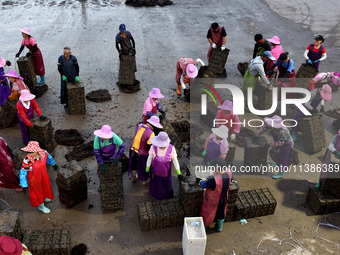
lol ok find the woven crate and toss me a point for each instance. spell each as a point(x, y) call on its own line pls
point(160, 214)
point(43, 134)
point(191, 198)
point(255, 153)
point(313, 133)
point(304, 75)
point(330, 184)
point(42, 242)
point(254, 203)
point(10, 224)
point(175, 141)
point(111, 185)
point(72, 184)
point(322, 203)
point(8, 114)
point(72, 175)
point(265, 96)
point(72, 196)
point(27, 72)
point(127, 67)
point(218, 58)
point(76, 98)
point(229, 159)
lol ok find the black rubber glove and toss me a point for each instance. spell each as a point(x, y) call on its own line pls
point(8, 63)
point(286, 75)
point(163, 113)
point(35, 127)
point(42, 117)
point(17, 55)
point(198, 180)
point(147, 175)
point(180, 178)
point(28, 54)
point(55, 167)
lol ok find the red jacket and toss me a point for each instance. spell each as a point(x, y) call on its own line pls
point(22, 111)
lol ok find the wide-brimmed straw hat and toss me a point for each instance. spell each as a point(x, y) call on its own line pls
point(275, 39)
point(161, 140)
point(2, 62)
point(222, 131)
point(336, 78)
point(274, 122)
point(191, 71)
point(10, 246)
point(26, 95)
point(155, 93)
point(227, 105)
point(154, 121)
point(12, 73)
point(32, 146)
point(105, 132)
point(326, 92)
point(25, 30)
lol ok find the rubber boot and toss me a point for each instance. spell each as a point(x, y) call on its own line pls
point(219, 224)
point(44, 209)
point(134, 177)
point(47, 200)
point(278, 176)
point(294, 136)
point(42, 79)
point(319, 184)
point(179, 91)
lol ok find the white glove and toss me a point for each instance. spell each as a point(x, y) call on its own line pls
point(214, 45)
point(182, 82)
point(233, 138)
point(199, 61)
point(222, 47)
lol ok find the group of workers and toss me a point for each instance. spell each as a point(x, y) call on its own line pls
point(151, 154)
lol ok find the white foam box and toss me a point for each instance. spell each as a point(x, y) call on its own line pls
point(194, 237)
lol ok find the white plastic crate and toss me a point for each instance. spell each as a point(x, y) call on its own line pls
point(194, 238)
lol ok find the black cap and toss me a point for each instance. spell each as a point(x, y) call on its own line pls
point(283, 57)
point(319, 38)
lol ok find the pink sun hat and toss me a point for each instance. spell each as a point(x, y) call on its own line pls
point(32, 146)
point(155, 93)
point(10, 246)
point(161, 140)
point(275, 122)
point(336, 78)
point(2, 62)
point(191, 71)
point(326, 92)
point(105, 132)
point(154, 121)
point(12, 73)
point(275, 39)
point(26, 31)
point(26, 95)
point(227, 105)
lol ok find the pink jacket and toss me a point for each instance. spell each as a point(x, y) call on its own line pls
point(276, 51)
point(235, 128)
point(149, 104)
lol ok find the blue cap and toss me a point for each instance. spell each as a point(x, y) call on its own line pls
point(122, 28)
point(268, 54)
